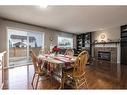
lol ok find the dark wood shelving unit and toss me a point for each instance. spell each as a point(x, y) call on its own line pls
point(84, 42)
point(124, 44)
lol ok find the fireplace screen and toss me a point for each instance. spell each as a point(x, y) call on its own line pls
point(102, 55)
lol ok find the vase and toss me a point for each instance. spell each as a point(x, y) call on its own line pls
point(56, 53)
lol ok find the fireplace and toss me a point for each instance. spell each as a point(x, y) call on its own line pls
point(104, 55)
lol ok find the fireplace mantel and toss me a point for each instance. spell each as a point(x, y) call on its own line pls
point(106, 43)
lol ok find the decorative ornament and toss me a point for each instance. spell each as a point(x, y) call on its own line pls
point(103, 36)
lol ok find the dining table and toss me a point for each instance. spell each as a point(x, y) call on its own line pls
point(55, 64)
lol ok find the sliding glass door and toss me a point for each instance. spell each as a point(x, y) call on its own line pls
point(36, 42)
point(20, 43)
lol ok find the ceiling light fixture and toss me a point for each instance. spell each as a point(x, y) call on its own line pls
point(43, 5)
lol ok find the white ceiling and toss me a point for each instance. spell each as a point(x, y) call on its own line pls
point(73, 19)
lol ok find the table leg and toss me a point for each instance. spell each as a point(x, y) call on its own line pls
point(62, 81)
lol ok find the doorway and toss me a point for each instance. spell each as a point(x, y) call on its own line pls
point(20, 42)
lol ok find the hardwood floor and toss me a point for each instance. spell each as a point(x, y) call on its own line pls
point(21, 77)
point(100, 75)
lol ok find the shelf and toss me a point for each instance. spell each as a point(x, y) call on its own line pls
point(106, 43)
point(84, 40)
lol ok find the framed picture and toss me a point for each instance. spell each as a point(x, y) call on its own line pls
point(65, 42)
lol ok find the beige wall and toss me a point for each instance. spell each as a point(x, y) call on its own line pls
point(48, 33)
point(3, 38)
point(111, 33)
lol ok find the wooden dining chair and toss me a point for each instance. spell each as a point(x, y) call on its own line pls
point(69, 52)
point(38, 71)
point(77, 74)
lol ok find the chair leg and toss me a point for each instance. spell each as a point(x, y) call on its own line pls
point(86, 84)
point(37, 82)
point(63, 81)
point(51, 79)
point(33, 81)
point(76, 84)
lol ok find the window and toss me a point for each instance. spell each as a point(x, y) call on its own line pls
point(23, 38)
point(65, 42)
point(36, 39)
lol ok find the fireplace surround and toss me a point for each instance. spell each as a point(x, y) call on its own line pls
point(103, 55)
point(106, 54)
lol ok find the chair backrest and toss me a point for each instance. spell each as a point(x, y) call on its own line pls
point(34, 60)
point(69, 52)
point(82, 59)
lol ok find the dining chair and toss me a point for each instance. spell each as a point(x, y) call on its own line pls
point(69, 52)
point(77, 74)
point(38, 71)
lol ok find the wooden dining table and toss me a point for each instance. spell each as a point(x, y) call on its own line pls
point(56, 64)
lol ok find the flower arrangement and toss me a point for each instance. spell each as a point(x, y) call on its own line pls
point(55, 50)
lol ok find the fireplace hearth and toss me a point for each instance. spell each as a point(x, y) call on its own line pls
point(103, 55)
